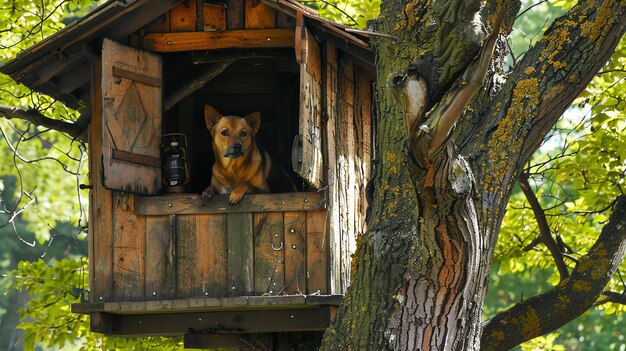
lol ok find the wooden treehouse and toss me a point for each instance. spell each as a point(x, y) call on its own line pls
point(168, 264)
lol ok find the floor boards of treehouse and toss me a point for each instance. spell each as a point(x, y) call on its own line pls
point(222, 315)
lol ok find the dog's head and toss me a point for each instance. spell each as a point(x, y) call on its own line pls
point(233, 136)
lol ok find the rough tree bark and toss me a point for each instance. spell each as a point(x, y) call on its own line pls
point(438, 196)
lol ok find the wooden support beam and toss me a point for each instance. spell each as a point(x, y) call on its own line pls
point(192, 204)
point(196, 83)
point(223, 322)
point(246, 38)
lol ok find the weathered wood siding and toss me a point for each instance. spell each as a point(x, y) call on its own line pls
point(348, 133)
point(232, 14)
point(220, 252)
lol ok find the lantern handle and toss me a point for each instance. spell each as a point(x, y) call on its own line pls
point(174, 134)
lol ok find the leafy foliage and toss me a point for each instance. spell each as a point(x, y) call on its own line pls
point(41, 159)
point(47, 319)
point(349, 12)
point(577, 174)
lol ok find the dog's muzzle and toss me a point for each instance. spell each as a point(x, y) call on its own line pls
point(234, 151)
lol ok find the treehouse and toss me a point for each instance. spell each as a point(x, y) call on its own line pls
point(161, 261)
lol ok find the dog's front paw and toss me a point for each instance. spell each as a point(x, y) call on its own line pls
point(207, 194)
point(235, 197)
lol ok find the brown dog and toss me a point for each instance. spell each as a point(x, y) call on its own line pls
point(241, 166)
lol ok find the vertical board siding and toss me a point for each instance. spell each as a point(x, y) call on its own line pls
point(363, 144)
point(162, 257)
point(269, 253)
point(348, 103)
point(346, 165)
point(101, 203)
point(259, 15)
point(234, 14)
point(183, 17)
point(160, 239)
point(214, 228)
point(128, 249)
point(295, 252)
point(332, 178)
point(201, 248)
point(310, 165)
point(240, 254)
point(316, 252)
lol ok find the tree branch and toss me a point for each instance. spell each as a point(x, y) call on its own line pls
point(75, 129)
point(544, 229)
point(444, 116)
point(540, 88)
point(549, 311)
point(612, 296)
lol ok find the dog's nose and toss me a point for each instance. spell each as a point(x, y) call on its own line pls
point(234, 151)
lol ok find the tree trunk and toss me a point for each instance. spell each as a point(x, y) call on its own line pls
point(420, 273)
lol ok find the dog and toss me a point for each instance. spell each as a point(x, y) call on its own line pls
point(241, 165)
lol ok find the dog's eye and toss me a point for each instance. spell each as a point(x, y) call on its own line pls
point(243, 134)
point(224, 132)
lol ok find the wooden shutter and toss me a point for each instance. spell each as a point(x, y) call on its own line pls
point(132, 110)
point(309, 162)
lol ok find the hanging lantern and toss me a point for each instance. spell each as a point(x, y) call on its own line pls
point(175, 168)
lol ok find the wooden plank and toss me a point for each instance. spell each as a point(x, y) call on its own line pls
point(331, 88)
point(247, 38)
point(137, 77)
point(317, 252)
point(239, 303)
point(193, 204)
point(364, 110)
point(100, 203)
point(199, 4)
point(259, 15)
point(201, 254)
point(235, 14)
point(216, 250)
point(284, 21)
point(160, 257)
point(269, 251)
point(346, 169)
point(159, 25)
point(145, 160)
point(214, 17)
point(240, 254)
point(128, 249)
point(196, 83)
point(310, 165)
point(183, 17)
point(295, 252)
point(186, 260)
point(252, 321)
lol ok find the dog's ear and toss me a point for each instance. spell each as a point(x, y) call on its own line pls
point(254, 120)
point(211, 116)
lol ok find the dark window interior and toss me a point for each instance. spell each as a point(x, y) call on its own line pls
point(268, 83)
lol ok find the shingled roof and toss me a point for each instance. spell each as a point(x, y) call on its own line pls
point(59, 65)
